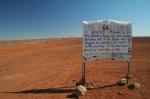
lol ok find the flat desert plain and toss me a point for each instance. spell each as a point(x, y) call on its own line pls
point(49, 69)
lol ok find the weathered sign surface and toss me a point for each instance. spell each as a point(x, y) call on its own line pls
point(107, 39)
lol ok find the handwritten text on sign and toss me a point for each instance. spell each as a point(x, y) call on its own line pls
point(107, 39)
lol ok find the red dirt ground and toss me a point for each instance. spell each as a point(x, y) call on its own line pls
point(49, 69)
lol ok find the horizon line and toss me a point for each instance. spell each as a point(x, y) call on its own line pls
point(63, 37)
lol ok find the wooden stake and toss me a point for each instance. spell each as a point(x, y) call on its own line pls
point(129, 71)
point(83, 74)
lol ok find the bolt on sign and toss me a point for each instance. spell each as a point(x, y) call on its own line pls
point(107, 39)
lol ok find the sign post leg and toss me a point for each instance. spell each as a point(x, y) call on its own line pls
point(129, 71)
point(83, 74)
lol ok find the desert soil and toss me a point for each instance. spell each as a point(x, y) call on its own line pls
point(50, 69)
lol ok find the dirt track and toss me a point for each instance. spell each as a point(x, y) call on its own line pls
point(49, 69)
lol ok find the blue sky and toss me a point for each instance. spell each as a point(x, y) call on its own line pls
point(21, 19)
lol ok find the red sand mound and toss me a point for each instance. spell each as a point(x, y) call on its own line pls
point(49, 69)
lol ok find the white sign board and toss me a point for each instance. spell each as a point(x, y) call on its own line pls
point(107, 39)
